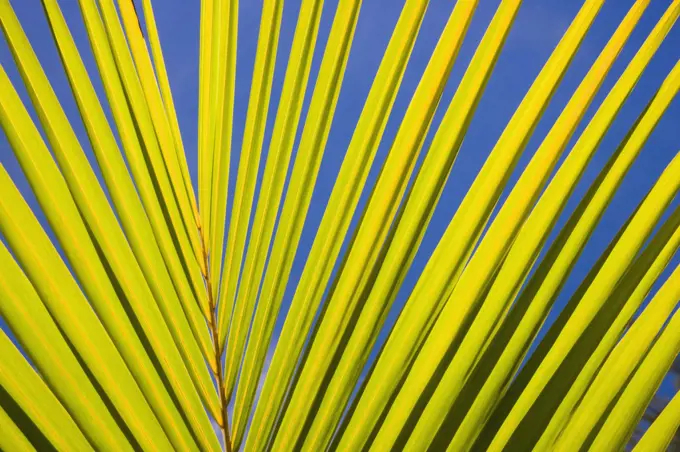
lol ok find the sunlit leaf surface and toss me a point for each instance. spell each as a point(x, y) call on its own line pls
point(248, 281)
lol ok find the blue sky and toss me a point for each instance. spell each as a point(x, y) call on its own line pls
point(539, 25)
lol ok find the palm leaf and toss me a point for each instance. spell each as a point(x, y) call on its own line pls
point(144, 307)
point(663, 430)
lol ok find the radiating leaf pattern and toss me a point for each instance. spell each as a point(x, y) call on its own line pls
point(141, 303)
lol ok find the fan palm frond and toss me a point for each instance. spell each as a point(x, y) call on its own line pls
point(141, 305)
